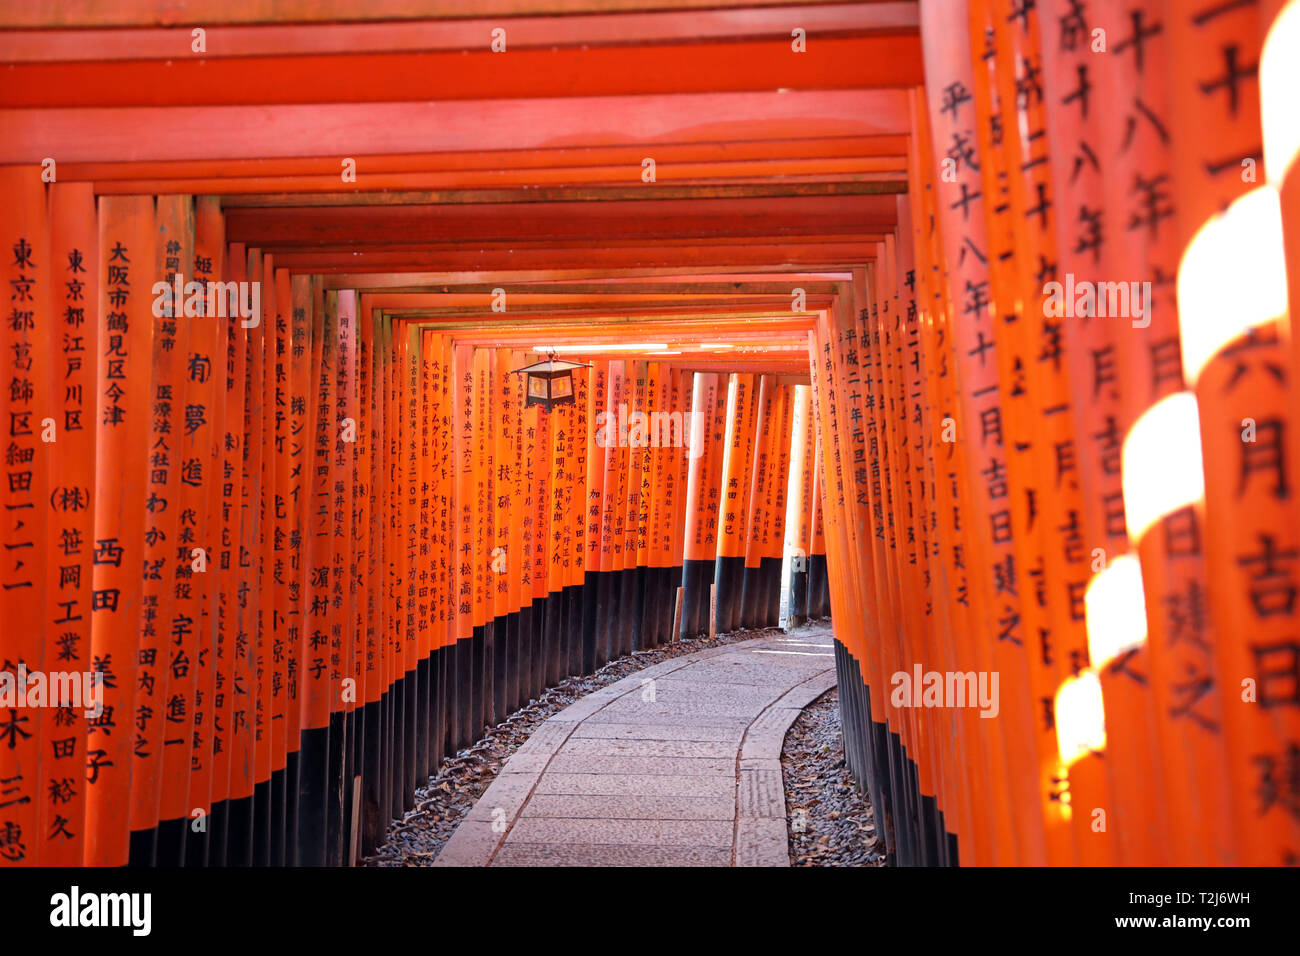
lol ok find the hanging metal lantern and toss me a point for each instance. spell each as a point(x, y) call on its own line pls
point(550, 383)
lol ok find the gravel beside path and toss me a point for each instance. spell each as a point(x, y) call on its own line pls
point(829, 822)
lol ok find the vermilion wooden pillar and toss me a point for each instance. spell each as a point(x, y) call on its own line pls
point(126, 247)
point(73, 391)
point(774, 525)
point(751, 583)
point(733, 505)
point(702, 489)
point(30, 572)
point(169, 632)
point(1237, 366)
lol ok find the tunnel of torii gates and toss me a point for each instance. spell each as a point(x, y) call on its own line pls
point(314, 541)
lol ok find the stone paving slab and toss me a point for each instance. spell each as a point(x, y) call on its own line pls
point(690, 778)
point(591, 728)
point(804, 694)
point(632, 806)
point(732, 673)
point(668, 717)
point(531, 829)
point(766, 734)
point(761, 794)
point(527, 763)
point(587, 854)
point(708, 693)
point(546, 739)
point(508, 792)
point(662, 784)
point(793, 653)
point(761, 842)
point(691, 708)
point(472, 844)
point(607, 747)
point(671, 766)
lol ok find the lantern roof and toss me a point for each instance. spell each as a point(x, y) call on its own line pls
point(551, 365)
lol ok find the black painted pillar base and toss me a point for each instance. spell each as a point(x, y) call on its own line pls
point(590, 588)
point(410, 757)
point(750, 588)
point(627, 594)
point(648, 605)
point(604, 616)
point(672, 581)
point(770, 575)
point(697, 579)
point(313, 785)
point(373, 821)
point(539, 646)
point(465, 691)
point(490, 675)
point(525, 639)
point(511, 689)
point(335, 806)
point(799, 596)
point(477, 687)
point(423, 728)
point(728, 575)
point(202, 842)
point(397, 752)
point(438, 711)
point(819, 604)
point(218, 824)
point(637, 607)
point(554, 636)
point(262, 823)
point(239, 832)
point(573, 629)
point(279, 809)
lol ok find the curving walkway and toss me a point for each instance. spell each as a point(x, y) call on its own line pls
point(676, 765)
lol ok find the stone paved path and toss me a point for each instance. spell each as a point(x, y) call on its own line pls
point(677, 765)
